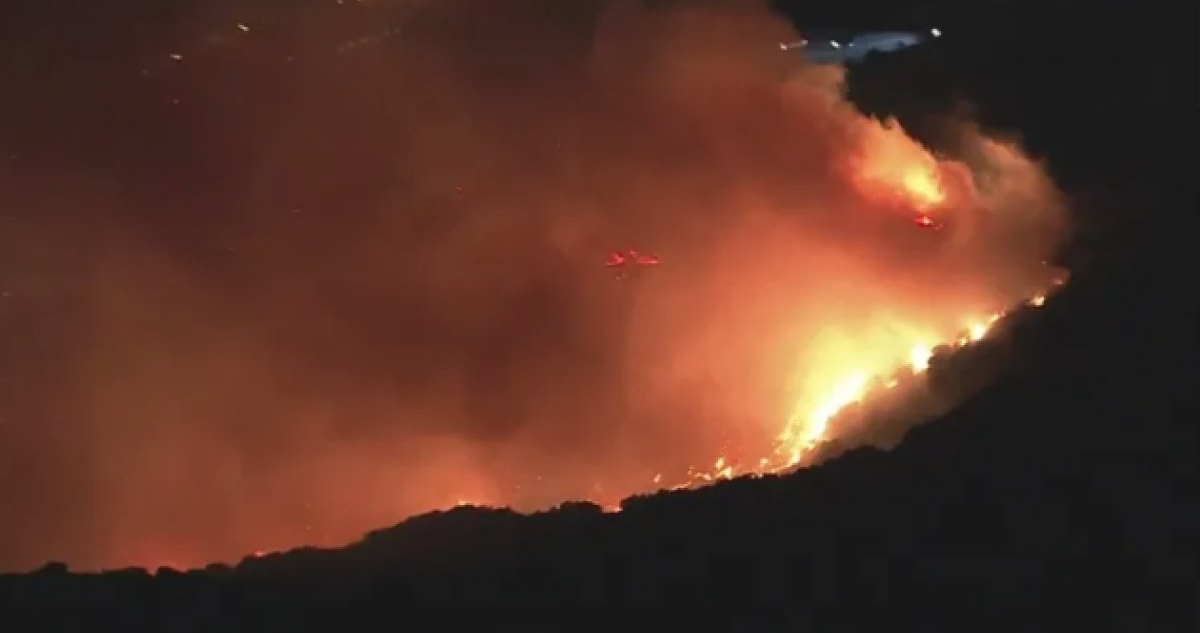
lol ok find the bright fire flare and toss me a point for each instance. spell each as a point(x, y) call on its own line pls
point(920, 357)
point(893, 166)
point(921, 184)
point(805, 430)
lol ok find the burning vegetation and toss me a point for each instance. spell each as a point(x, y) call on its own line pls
point(347, 283)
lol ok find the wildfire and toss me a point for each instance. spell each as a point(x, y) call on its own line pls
point(808, 425)
point(921, 185)
point(805, 429)
point(892, 166)
point(892, 169)
point(786, 267)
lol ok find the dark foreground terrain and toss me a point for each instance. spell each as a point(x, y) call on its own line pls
point(1061, 497)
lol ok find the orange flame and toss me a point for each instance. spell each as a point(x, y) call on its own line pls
point(838, 372)
point(892, 166)
point(808, 425)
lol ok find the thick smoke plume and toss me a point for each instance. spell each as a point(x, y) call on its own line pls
point(276, 275)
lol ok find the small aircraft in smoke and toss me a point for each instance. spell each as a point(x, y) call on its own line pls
point(627, 263)
point(926, 222)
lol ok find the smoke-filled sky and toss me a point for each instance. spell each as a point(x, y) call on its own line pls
point(277, 273)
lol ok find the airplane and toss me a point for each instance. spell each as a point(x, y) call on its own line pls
point(927, 222)
point(629, 261)
point(829, 49)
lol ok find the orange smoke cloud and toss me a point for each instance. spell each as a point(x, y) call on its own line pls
point(891, 165)
point(358, 263)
